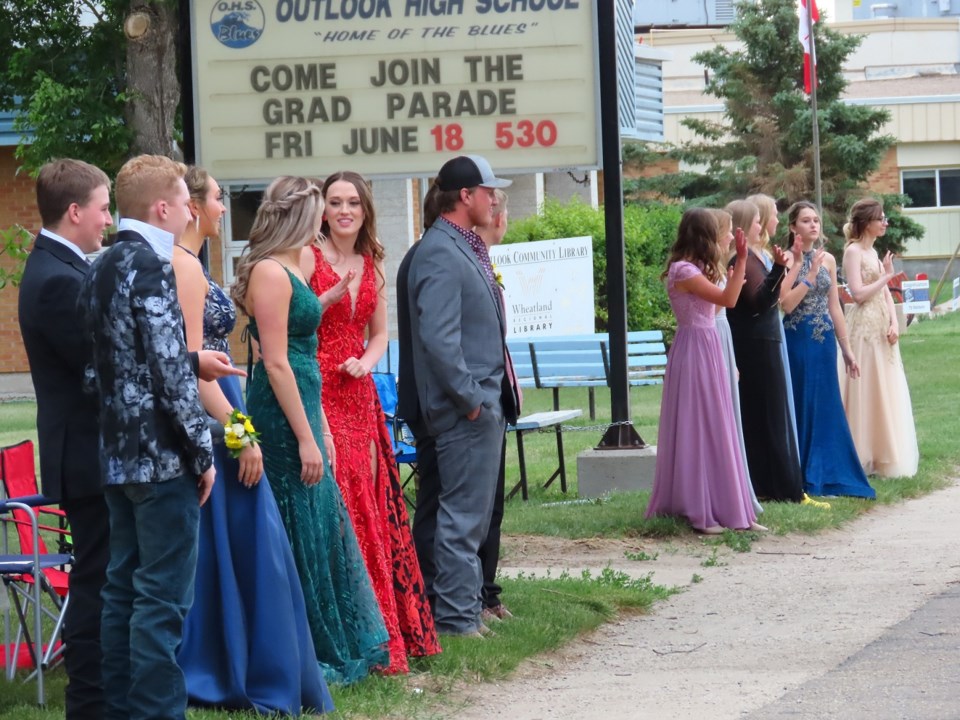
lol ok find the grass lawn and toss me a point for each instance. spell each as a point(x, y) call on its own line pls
point(929, 352)
point(552, 611)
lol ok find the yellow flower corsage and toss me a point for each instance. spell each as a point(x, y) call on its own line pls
point(497, 275)
point(238, 433)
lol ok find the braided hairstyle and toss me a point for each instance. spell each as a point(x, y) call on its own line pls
point(286, 220)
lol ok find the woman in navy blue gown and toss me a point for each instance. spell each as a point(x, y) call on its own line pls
point(814, 325)
point(246, 640)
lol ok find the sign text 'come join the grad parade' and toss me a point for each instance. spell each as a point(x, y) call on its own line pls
point(393, 87)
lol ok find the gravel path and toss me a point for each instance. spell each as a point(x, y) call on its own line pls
point(767, 622)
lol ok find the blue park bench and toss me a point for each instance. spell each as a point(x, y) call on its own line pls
point(584, 361)
point(533, 422)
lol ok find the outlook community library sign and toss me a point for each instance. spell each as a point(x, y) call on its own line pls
point(393, 88)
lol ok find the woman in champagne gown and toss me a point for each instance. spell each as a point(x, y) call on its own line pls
point(812, 305)
point(284, 397)
point(877, 404)
point(246, 640)
point(346, 273)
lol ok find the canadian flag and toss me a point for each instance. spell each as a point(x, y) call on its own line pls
point(806, 40)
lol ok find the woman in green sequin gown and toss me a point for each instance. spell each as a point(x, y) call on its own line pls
point(344, 616)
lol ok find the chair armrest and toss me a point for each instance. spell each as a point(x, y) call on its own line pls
point(30, 500)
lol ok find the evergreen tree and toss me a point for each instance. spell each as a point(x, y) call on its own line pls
point(764, 142)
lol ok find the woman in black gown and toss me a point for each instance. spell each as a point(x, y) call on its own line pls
point(772, 455)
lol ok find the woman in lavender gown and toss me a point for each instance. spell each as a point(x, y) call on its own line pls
point(700, 473)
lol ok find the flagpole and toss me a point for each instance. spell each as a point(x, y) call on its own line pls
point(818, 190)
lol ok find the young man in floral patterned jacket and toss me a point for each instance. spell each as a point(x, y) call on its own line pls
point(155, 445)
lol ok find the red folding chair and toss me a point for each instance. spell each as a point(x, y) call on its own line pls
point(18, 474)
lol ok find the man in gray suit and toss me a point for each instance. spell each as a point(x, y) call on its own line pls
point(452, 357)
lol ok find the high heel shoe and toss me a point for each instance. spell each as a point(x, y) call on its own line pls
point(712, 530)
point(807, 500)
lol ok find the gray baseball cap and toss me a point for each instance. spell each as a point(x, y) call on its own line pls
point(467, 171)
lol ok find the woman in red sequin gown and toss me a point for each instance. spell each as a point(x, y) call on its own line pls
point(346, 273)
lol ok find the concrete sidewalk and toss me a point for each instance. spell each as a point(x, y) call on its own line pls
point(912, 671)
point(857, 623)
point(16, 386)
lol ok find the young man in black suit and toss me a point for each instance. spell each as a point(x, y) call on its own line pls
point(73, 198)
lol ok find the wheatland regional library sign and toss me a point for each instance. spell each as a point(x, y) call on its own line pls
point(393, 87)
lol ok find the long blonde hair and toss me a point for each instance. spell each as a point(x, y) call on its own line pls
point(742, 212)
point(768, 209)
point(286, 219)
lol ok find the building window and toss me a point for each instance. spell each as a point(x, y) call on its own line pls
point(242, 203)
point(932, 188)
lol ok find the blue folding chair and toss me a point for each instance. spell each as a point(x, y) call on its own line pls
point(23, 577)
point(404, 449)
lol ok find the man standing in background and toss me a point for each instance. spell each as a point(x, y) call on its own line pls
point(451, 377)
point(73, 198)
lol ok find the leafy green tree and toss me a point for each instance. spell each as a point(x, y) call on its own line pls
point(90, 79)
point(64, 75)
point(764, 142)
point(13, 244)
point(649, 232)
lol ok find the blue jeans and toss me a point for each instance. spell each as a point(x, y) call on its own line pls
point(153, 560)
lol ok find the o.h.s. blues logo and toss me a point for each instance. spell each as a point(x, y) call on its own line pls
point(237, 23)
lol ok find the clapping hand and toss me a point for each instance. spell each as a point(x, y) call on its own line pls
point(815, 263)
point(888, 264)
point(740, 243)
point(797, 248)
point(780, 256)
point(336, 293)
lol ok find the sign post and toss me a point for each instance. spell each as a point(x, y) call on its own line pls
point(393, 88)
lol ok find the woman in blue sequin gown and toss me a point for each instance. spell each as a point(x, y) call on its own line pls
point(246, 641)
point(283, 395)
point(814, 325)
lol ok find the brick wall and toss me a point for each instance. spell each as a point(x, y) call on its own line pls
point(238, 350)
point(17, 206)
point(887, 177)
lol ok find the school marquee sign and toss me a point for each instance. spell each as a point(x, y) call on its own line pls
point(393, 87)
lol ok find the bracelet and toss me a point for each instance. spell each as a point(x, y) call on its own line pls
point(329, 435)
point(839, 338)
point(807, 283)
